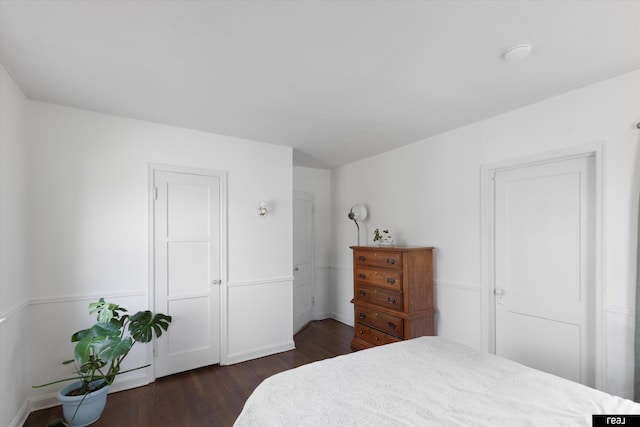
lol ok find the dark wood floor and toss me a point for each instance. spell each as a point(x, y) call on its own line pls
point(211, 396)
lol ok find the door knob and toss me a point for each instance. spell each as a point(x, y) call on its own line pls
point(498, 292)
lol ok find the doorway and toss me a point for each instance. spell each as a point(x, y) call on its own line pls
point(544, 267)
point(187, 260)
point(303, 299)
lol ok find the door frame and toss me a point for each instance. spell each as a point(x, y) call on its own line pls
point(222, 176)
point(487, 241)
point(312, 244)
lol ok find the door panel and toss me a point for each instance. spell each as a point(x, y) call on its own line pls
point(530, 338)
point(190, 313)
point(543, 234)
point(188, 265)
point(187, 269)
point(188, 209)
point(544, 281)
point(302, 260)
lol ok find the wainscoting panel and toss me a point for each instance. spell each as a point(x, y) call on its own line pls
point(458, 313)
point(13, 409)
point(342, 294)
point(322, 291)
point(619, 328)
point(260, 317)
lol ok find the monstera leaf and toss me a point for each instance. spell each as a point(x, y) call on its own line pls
point(106, 311)
point(112, 348)
point(82, 351)
point(112, 328)
point(144, 324)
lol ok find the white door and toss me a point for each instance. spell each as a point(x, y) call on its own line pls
point(302, 260)
point(187, 269)
point(544, 258)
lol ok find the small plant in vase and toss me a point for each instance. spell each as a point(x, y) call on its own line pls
point(382, 239)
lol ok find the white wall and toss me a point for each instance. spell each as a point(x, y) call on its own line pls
point(13, 286)
point(317, 182)
point(89, 228)
point(428, 194)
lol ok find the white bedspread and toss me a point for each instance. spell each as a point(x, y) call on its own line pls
point(426, 381)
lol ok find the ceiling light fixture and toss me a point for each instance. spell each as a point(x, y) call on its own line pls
point(263, 209)
point(517, 52)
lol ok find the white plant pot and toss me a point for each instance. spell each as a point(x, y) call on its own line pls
point(90, 408)
point(386, 241)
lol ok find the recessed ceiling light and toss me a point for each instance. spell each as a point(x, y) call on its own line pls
point(517, 52)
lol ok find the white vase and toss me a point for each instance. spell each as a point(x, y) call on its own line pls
point(386, 241)
point(90, 408)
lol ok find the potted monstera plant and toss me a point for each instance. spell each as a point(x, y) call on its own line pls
point(98, 356)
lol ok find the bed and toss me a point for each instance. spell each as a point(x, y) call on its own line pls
point(427, 381)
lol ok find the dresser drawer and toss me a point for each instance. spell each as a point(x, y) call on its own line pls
point(373, 336)
point(375, 258)
point(379, 296)
point(389, 323)
point(378, 277)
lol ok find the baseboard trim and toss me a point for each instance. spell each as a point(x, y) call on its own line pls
point(21, 416)
point(232, 359)
point(322, 316)
point(346, 320)
point(50, 400)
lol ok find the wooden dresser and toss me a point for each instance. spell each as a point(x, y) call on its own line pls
point(393, 294)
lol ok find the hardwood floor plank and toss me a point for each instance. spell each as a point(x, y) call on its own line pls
point(214, 395)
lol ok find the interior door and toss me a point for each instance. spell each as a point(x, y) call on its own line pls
point(544, 257)
point(302, 260)
point(187, 269)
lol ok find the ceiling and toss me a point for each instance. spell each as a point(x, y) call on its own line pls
point(336, 80)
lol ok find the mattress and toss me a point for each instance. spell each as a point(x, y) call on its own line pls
point(427, 381)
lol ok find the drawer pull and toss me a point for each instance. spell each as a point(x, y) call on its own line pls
point(391, 325)
point(391, 261)
point(361, 292)
point(391, 300)
point(377, 338)
point(362, 275)
point(391, 280)
point(361, 331)
point(362, 315)
point(361, 258)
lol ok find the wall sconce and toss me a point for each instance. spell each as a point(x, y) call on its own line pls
point(358, 212)
point(263, 209)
